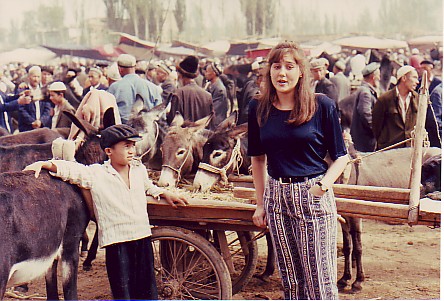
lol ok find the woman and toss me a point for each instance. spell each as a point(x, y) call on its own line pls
point(290, 131)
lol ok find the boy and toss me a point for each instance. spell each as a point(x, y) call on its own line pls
point(118, 189)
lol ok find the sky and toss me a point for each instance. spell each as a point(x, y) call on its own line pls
point(14, 9)
point(96, 8)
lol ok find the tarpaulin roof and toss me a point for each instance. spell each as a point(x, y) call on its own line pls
point(138, 52)
point(38, 55)
point(425, 40)
point(177, 51)
point(130, 40)
point(194, 47)
point(367, 42)
point(240, 48)
point(79, 51)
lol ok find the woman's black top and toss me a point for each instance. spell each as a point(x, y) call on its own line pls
point(294, 151)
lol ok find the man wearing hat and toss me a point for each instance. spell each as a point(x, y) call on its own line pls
point(394, 114)
point(190, 100)
point(341, 82)
point(94, 77)
point(366, 97)
point(163, 77)
point(323, 84)
point(433, 81)
point(57, 96)
point(119, 188)
point(218, 92)
point(37, 113)
point(131, 88)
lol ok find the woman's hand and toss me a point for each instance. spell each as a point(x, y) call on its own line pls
point(259, 218)
point(316, 191)
point(174, 199)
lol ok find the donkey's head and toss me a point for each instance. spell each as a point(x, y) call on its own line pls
point(90, 151)
point(147, 123)
point(182, 148)
point(222, 153)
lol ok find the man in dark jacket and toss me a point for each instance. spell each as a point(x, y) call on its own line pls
point(323, 84)
point(394, 114)
point(218, 92)
point(163, 73)
point(190, 100)
point(361, 125)
point(8, 104)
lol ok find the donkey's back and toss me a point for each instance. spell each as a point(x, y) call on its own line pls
point(39, 227)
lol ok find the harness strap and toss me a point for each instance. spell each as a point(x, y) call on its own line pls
point(236, 157)
point(179, 170)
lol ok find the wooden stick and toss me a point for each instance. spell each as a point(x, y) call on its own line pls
point(415, 177)
point(370, 193)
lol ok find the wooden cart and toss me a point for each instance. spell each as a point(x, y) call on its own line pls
point(206, 250)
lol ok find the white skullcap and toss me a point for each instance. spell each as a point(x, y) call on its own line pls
point(403, 71)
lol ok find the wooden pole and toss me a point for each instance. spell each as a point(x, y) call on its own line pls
point(415, 176)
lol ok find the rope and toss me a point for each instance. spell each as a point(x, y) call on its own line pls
point(179, 170)
point(155, 141)
point(236, 157)
point(359, 158)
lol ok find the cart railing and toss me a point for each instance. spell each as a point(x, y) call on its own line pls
point(370, 202)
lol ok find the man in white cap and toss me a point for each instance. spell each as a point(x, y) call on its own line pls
point(394, 114)
point(323, 84)
point(94, 77)
point(37, 113)
point(367, 96)
point(163, 77)
point(57, 96)
point(132, 88)
point(341, 82)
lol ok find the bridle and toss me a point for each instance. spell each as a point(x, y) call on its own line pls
point(236, 157)
point(179, 170)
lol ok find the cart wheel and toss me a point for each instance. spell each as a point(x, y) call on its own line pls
point(244, 255)
point(188, 267)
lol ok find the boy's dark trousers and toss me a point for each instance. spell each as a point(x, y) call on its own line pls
point(130, 268)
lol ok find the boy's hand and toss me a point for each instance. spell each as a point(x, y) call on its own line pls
point(174, 199)
point(36, 167)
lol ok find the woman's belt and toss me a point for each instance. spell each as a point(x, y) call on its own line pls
point(298, 179)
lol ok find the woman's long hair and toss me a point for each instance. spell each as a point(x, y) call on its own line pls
point(305, 104)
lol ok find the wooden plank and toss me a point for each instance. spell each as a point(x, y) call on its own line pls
point(226, 255)
point(377, 194)
point(370, 208)
point(419, 135)
point(372, 193)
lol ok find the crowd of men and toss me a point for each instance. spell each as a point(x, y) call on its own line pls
point(35, 96)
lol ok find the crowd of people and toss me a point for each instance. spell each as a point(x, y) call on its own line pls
point(293, 108)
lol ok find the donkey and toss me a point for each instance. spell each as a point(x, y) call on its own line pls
point(152, 127)
point(44, 220)
point(182, 149)
point(224, 152)
point(390, 168)
point(37, 136)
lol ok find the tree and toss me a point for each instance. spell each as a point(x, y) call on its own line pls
point(180, 14)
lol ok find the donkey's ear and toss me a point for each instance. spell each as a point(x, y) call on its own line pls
point(228, 123)
point(80, 123)
point(109, 118)
point(177, 120)
point(239, 131)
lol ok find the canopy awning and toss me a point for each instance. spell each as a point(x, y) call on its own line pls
point(37, 55)
point(78, 51)
point(367, 42)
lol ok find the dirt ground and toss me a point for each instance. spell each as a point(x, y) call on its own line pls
point(400, 262)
